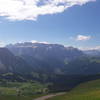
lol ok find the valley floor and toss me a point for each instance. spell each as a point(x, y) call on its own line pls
point(85, 91)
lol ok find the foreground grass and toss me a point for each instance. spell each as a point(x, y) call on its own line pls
point(18, 88)
point(15, 98)
point(21, 91)
point(86, 91)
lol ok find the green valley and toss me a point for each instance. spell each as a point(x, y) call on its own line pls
point(21, 90)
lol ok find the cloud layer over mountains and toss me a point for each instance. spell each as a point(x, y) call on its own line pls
point(31, 9)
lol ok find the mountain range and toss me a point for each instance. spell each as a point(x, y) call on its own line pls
point(47, 59)
point(65, 67)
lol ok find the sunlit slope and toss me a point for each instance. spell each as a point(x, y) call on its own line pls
point(85, 91)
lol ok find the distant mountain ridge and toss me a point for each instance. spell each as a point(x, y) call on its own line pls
point(45, 57)
point(92, 52)
point(33, 49)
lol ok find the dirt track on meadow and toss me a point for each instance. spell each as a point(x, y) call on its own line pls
point(49, 96)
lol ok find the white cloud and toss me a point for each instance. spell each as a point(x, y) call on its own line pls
point(90, 48)
point(44, 42)
point(83, 38)
point(97, 48)
point(34, 41)
point(31, 9)
point(2, 44)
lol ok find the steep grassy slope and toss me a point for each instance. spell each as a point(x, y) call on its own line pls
point(85, 91)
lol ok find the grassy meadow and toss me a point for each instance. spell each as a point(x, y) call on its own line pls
point(30, 90)
point(85, 91)
point(21, 91)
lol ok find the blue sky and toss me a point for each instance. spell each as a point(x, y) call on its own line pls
point(77, 26)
